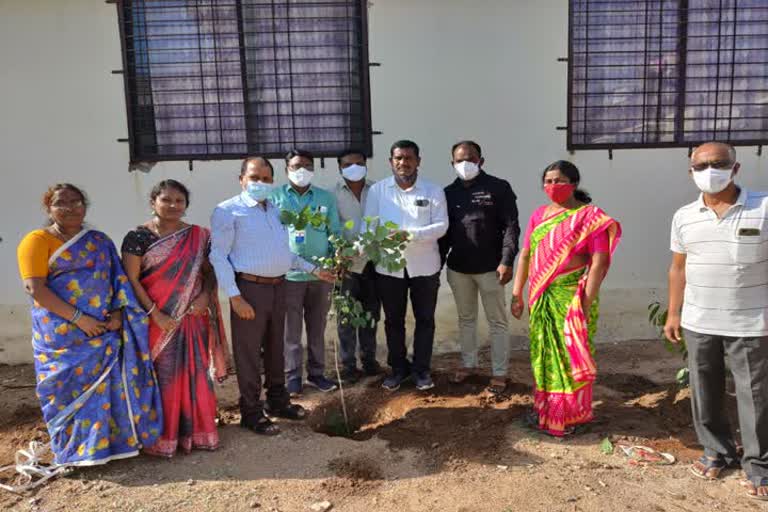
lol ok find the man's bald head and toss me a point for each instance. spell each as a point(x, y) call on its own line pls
point(713, 152)
point(256, 161)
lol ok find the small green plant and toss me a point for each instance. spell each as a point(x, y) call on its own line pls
point(657, 316)
point(302, 219)
point(381, 244)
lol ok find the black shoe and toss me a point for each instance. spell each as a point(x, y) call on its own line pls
point(423, 381)
point(392, 383)
point(288, 412)
point(372, 370)
point(322, 383)
point(262, 426)
point(350, 376)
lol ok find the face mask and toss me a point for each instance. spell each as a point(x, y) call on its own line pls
point(467, 170)
point(712, 181)
point(559, 192)
point(354, 172)
point(258, 190)
point(301, 177)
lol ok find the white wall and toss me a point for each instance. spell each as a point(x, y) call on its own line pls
point(451, 69)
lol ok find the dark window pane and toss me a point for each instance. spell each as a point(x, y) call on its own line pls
point(229, 78)
point(667, 72)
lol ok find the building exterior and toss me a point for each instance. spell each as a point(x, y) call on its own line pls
point(450, 70)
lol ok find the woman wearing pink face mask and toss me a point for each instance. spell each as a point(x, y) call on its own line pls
point(565, 256)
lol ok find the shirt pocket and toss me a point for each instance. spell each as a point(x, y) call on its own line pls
point(751, 242)
point(422, 211)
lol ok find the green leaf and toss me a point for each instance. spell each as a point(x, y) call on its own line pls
point(287, 217)
point(682, 376)
point(606, 446)
point(391, 225)
point(349, 225)
point(653, 310)
point(349, 252)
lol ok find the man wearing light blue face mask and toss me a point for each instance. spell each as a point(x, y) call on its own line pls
point(250, 255)
point(718, 303)
point(351, 194)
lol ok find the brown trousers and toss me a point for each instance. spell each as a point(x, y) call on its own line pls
point(257, 339)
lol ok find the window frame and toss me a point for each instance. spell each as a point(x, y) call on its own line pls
point(136, 158)
point(680, 104)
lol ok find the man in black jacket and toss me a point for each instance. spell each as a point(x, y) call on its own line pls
point(480, 247)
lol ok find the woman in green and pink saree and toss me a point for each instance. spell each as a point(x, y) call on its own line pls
point(565, 257)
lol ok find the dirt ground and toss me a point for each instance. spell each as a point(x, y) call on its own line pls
point(456, 448)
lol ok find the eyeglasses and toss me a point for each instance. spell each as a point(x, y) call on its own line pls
point(67, 205)
point(715, 164)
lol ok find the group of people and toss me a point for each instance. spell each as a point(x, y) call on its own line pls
point(127, 348)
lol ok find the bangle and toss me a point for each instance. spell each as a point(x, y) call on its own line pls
point(152, 308)
point(76, 316)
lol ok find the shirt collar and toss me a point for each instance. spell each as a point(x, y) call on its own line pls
point(290, 190)
point(393, 183)
point(343, 184)
point(247, 199)
point(740, 201)
point(250, 203)
point(474, 181)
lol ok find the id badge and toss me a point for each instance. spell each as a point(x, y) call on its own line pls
point(299, 236)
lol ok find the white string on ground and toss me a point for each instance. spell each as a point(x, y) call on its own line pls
point(29, 466)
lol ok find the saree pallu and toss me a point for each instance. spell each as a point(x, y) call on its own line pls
point(561, 335)
point(99, 395)
point(184, 358)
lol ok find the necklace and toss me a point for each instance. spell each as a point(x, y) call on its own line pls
point(156, 228)
point(60, 234)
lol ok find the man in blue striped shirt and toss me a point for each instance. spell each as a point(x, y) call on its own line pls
point(250, 255)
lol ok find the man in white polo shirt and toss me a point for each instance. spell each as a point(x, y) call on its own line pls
point(718, 298)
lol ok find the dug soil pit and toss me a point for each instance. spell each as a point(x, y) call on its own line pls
point(454, 448)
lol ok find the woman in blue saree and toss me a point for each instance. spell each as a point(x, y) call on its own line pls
point(95, 381)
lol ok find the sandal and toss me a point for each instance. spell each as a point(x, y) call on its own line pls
point(575, 430)
point(641, 455)
point(531, 419)
point(497, 385)
point(707, 468)
point(752, 484)
point(289, 412)
point(459, 376)
point(263, 426)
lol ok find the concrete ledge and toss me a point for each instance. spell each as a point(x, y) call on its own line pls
point(624, 316)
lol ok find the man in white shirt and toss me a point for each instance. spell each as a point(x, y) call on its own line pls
point(417, 206)
point(360, 282)
point(718, 298)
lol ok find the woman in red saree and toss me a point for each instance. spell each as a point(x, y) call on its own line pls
point(166, 261)
point(565, 257)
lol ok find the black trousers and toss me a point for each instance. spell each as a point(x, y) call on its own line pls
point(363, 288)
point(393, 292)
point(260, 341)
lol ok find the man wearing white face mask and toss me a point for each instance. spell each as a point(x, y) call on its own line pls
point(480, 247)
point(351, 194)
point(307, 298)
point(718, 303)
